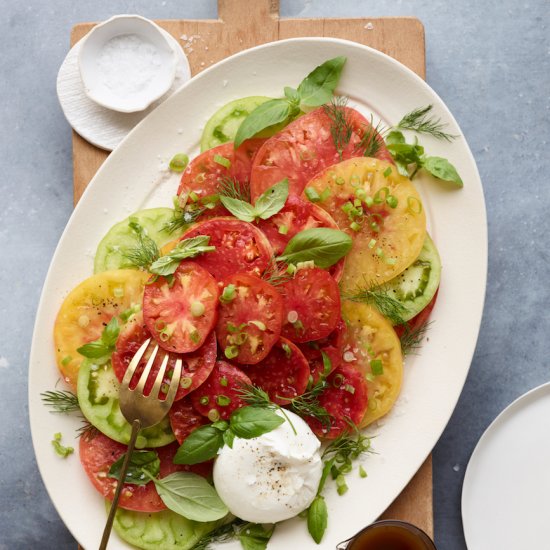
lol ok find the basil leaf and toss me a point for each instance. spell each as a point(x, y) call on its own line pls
point(110, 333)
point(103, 346)
point(407, 153)
point(318, 86)
point(191, 496)
point(249, 422)
point(317, 518)
point(292, 94)
point(272, 200)
point(188, 248)
point(139, 461)
point(201, 445)
point(322, 245)
point(228, 438)
point(254, 536)
point(395, 136)
point(441, 168)
point(265, 115)
point(93, 350)
point(240, 209)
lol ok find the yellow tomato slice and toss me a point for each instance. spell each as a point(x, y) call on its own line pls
point(86, 311)
point(380, 209)
point(373, 347)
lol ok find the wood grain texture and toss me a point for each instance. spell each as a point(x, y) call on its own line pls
point(240, 25)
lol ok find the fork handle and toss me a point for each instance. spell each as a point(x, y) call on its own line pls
point(136, 426)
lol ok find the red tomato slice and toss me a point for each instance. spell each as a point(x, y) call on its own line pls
point(184, 419)
point(196, 366)
point(305, 148)
point(311, 305)
point(418, 320)
point(249, 324)
point(180, 316)
point(98, 453)
point(283, 374)
point(332, 346)
point(204, 172)
point(345, 399)
point(219, 396)
point(240, 247)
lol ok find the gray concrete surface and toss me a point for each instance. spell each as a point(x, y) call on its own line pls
point(489, 61)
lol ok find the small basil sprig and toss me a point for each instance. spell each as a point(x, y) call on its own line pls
point(187, 248)
point(322, 245)
point(267, 204)
point(100, 350)
point(190, 496)
point(315, 90)
point(410, 157)
point(317, 518)
point(204, 442)
point(140, 461)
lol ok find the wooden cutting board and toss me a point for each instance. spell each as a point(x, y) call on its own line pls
point(242, 24)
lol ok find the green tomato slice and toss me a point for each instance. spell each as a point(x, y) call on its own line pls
point(121, 238)
point(224, 123)
point(415, 287)
point(97, 392)
point(164, 530)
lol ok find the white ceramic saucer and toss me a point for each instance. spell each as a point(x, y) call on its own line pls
point(506, 491)
point(103, 127)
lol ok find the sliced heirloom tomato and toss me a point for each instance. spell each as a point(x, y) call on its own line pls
point(196, 366)
point(283, 374)
point(203, 174)
point(86, 311)
point(372, 347)
point(184, 419)
point(180, 314)
point(97, 455)
point(219, 396)
point(325, 355)
point(345, 398)
point(250, 318)
point(240, 247)
point(306, 147)
point(311, 301)
point(380, 209)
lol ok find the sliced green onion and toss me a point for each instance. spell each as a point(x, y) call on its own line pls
point(199, 178)
point(356, 202)
point(379, 252)
point(118, 292)
point(372, 243)
point(338, 380)
point(186, 382)
point(340, 480)
point(361, 194)
point(287, 350)
point(223, 381)
point(223, 400)
point(298, 326)
point(193, 196)
point(228, 293)
point(325, 194)
point(377, 367)
point(213, 415)
point(390, 261)
point(355, 226)
point(258, 324)
point(195, 337)
point(222, 161)
point(283, 229)
point(375, 227)
point(340, 180)
point(179, 162)
point(164, 388)
point(312, 194)
point(231, 352)
point(291, 269)
point(387, 172)
point(349, 388)
point(378, 198)
point(66, 360)
point(369, 202)
point(392, 201)
point(414, 206)
point(197, 309)
point(362, 472)
point(347, 207)
point(204, 400)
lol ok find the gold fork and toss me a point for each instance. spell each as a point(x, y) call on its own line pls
point(141, 412)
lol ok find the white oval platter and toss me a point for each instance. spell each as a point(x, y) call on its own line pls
point(135, 176)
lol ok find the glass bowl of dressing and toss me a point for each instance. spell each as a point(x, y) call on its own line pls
point(389, 535)
point(126, 63)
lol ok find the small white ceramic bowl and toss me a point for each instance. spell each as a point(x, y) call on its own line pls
point(126, 63)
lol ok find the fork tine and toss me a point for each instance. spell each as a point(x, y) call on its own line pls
point(174, 383)
point(134, 363)
point(160, 377)
point(143, 378)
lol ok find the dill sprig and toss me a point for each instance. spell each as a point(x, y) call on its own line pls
point(341, 128)
point(276, 273)
point(237, 528)
point(419, 121)
point(308, 404)
point(87, 430)
point(147, 250)
point(60, 401)
point(234, 189)
point(411, 339)
point(371, 142)
point(347, 446)
point(379, 297)
point(223, 533)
